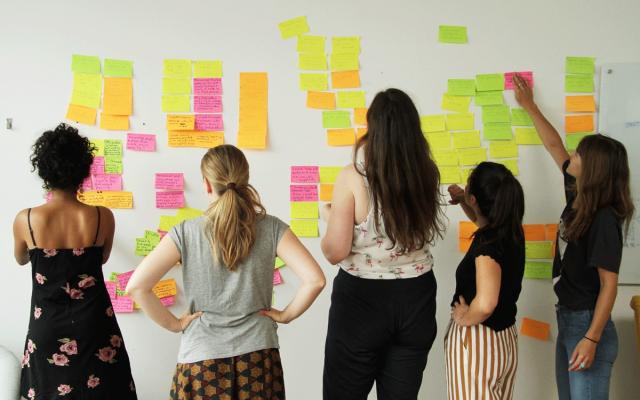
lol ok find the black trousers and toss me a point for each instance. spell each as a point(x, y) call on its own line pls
point(379, 330)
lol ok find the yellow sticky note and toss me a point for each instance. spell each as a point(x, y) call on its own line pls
point(165, 288)
point(512, 165)
point(176, 86)
point(118, 96)
point(351, 99)
point(304, 228)
point(360, 116)
point(341, 137)
point(525, 136)
point(360, 132)
point(503, 149)
point(449, 175)
point(321, 100)
point(432, 123)
point(439, 140)
point(176, 69)
point(252, 141)
point(464, 174)
point(118, 199)
point(114, 122)
point(472, 156)
point(580, 103)
point(345, 44)
point(445, 158)
point(293, 27)
point(304, 209)
point(202, 139)
point(326, 192)
point(329, 174)
point(91, 198)
point(188, 213)
point(345, 79)
point(466, 139)
point(460, 121)
point(458, 104)
point(312, 61)
point(344, 62)
point(167, 222)
point(81, 114)
point(176, 103)
point(311, 44)
point(252, 121)
point(87, 89)
point(98, 145)
point(207, 69)
point(315, 82)
point(181, 122)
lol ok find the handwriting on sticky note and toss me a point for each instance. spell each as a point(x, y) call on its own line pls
point(173, 68)
point(165, 288)
point(460, 121)
point(344, 62)
point(489, 98)
point(207, 104)
point(535, 329)
point(107, 182)
point(176, 103)
point(304, 209)
point(87, 90)
point(303, 193)
point(122, 304)
point(526, 136)
point(539, 250)
point(508, 78)
point(113, 147)
point(305, 174)
point(520, 117)
point(174, 199)
point(113, 165)
point(111, 289)
point(304, 228)
point(312, 61)
point(209, 122)
point(141, 142)
point(345, 44)
point(143, 247)
point(578, 84)
point(489, 82)
point(180, 122)
point(169, 181)
point(123, 279)
point(580, 65)
point(207, 86)
point(496, 113)
point(537, 270)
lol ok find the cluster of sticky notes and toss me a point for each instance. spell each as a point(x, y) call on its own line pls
point(252, 117)
point(169, 190)
point(197, 82)
point(166, 290)
point(169, 221)
point(580, 105)
point(539, 250)
point(309, 185)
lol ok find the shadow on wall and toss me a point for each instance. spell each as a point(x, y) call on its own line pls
point(624, 375)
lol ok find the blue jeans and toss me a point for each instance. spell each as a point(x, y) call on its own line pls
point(592, 383)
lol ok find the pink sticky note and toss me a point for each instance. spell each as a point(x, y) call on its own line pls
point(209, 122)
point(169, 199)
point(303, 192)
point(107, 182)
point(141, 142)
point(207, 86)
point(48, 196)
point(97, 167)
point(168, 301)
point(87, 184)
point(161, 233)
point(111, 289)
point(169, 181)
point(508, 78)
point(122, 304)
point(123, 279)
point(277, 278)
point(305, 174)
point(207, 104)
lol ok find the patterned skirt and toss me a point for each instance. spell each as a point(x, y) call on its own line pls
point(256, 376)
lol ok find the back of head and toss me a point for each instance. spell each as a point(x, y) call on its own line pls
point(62, 158)
point(403, 179)
point(500, 199)
point(230, 220)
point(603, 182)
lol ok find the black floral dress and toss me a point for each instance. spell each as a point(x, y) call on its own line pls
point(74, 348)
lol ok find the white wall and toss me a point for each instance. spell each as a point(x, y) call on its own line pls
point(399, 49)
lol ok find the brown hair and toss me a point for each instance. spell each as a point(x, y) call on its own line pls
point(603, 182)
point(403, 179)
point(230, 220)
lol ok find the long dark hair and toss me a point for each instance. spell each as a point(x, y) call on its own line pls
point(403, 179)
point(603, 182)
point(501, 200)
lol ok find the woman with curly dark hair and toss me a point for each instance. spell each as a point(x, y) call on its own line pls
point(74, 348)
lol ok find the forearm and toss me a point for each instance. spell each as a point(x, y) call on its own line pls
point(152, 306)
point(476, 314)
point(303, 299)
point(602, 312)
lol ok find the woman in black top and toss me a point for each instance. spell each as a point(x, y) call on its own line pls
point(481, 344)
point(588, 254)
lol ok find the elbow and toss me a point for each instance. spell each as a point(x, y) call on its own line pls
point(332, 254)
point(133, 291)
point(486, 308)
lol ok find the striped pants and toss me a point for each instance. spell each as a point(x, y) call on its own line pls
point(480, 362)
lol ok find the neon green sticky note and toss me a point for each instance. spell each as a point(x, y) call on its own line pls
point(176, 103)
point(329, 174)
point(118, 68)
point(176, 68)
point(113, 147)
point(176, 86)
point(497, 131)
point(143, 247)
point(304, 228)
point(489, 82)
point(580, 65)
point(312, 61)
point(455, 103)
point(438, 140)
point(466, 139)
point(311, 44)
point(336, 119)
point(304, 209)
point(87, 90)
point(449, 175)
point(350, 99)
point(112, 164)
point(445, 158)
point(207, 69)
point(489, 98)
point(344, 62)
point(98, 145)
point(472, 156)
point(537, 270)
point(293, 27)
point(279, 263)
point(461, 87)
point(452, 34)
point(526, 136)
point(578, 84)
point(496, 113)
point(520, 117)
point(460, 121)
point(503, 149)
point(345, 44)
point(314, 82)
point(573, 140)
point(432, 123)
point(538, 250)
point(152, 236)
point(85, 64)
point(512, 165)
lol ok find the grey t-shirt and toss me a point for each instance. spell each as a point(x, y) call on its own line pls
point(230, 300)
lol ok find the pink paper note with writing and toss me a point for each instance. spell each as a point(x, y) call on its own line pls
point(209, 122)
point(122, 304)
point(305, 174)
point(141, 142)
point(111, 289)
point(168, 301)
point(169, 199)
point(97, 167)
point(303, 192)
point(87, 184)
point(207, 86)
point(207, 104)
point(107, 182)
point(169, 181)
point(508, 78)
point(123, 279)
point(277, 278)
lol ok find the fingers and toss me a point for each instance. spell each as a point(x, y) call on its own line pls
point(579, 364)
point(462, 302)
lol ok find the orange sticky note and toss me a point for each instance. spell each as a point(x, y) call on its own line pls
point(464, 244)
point(252, 141)
point(466, 229)
point(534, 232)
point(81, 114)
point(551, 231)
point(360, 132)
point(580, 103)
point(114, 122)
point(321, 100)
point(535, 329)
point(118, 96)
point(360, 116)
point(252, 119)
point(165, 288)
point(326, 192)
point(578, 123)
point(345, 79)
point(195, 139)
point(341, 137)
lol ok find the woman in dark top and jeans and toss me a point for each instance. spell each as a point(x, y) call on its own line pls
point(481, 345)
point(588, 254)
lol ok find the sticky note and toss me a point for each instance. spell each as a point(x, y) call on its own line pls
point(304, 228)
point(81, 114)
point(461, 87)
point(520, 117)
point(113, 165)
point(578, 123)
point(303, 193)
point(170, 199)
point(329, 174)
point(118, 96)
point(304, 209)
point(122, 304)
point(445, 158)
point(200, 139)
point(168, 301)
point(113, 147)
point(489, 82)
point(152, 237)
point(111, 289)
point(207, 69)
point(173, 68)
point(580, 65)
point(207, 86)
point(321, 100)
point(341, 137)
point(360, 132)
point(167, 222)
point(87, 90)
point(439, 140)
point(180, 122)
point(432, 123)
point(497, 131)
point(351, 99)
point(165, 288)
point(496, 113)
point(538, 250)
point(176, 103)
point(315, 82)
point(312, 61)
point(293, 27)
point(508, 78)
point(311, 44)
point(344, 62)
point(114, 122)
point(503, 149)
point(209, 122)
point(189, 213)
point(551, 231)
point(526, 136)
point(345, 44)
point(460, 121)
point(277, 278)
point(449, 175)
point(252, 121)
point(489, 98)
point(472, 156)
point(452, 34)
point(305, 174)
point(512, 165)
point(118, 68)
point(574, 139)
point(176, 86)
point(535, 329)
point(534, 232)
point(466, 139)
point(326, 192)
point(537, 270)
point(169, 181)
point(107, 182)
point(466, 229)
point(345, 79)
point(97, 166)
point(455, 103)
point(464, 245)
point(143, 247)
point(207, 104)
point(578, 84)
point(85, 64)
point(108, 199)
point(465, 173)
point(87, 184)
point(336, 119)
point(580, 103)
point(98, 147)
point(279, 263)
point(360, 116)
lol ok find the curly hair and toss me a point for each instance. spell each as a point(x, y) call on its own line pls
point(62, 158)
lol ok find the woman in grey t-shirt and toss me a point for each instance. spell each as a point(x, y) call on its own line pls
point(227, 259)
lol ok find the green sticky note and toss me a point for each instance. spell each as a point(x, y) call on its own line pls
point(351, 99)
point(113, 277)
point(118, 68)
point(344, 62)
point(311, 44)
point(489, 98)
point(314, 82)
point(207, 69)
point(304, 228)
point(293, 27)
point(304, 209)
point(537, 270)
point(496, 113)
point(445, 158)
point(539, 250)
point(520, 117)
point(87, 90)
point(452, 34)
point(461, 87)
point(438, 140)
point(573, 140)
point(336, 119)
point(449, 175)
point(85, 64)
point(176, 68)
point(432, 123)
point(469, 157)
point(460, 121)
point(455, 103)
point(143, 247)
point(152, 236)
point(176, 86)
point(489, 82)
point(113, 147)
point(466, 139)
point(312, 61)
point(497, 131)
point(176, 103)
point(279, 263)
point(580, 65)
point(578, 84)
point(112, 165)
point(503, 149)
point(527, 136)
point(345, 44)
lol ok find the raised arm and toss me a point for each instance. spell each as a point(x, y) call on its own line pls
point(457, 197)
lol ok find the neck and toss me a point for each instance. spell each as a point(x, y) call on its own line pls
point(481, 221)
point(62, 195)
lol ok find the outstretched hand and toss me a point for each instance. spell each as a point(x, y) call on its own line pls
point(523, 92)
point(457, 194)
